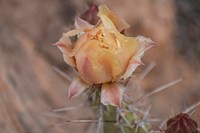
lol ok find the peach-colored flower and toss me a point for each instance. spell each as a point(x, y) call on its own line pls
point(102, 55)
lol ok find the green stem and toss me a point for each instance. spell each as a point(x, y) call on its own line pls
point(109, 118)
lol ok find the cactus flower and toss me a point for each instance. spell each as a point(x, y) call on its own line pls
point(102, 55)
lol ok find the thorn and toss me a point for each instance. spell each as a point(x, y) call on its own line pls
point(160, 89)
point(59, 45)
point(139, 62)
point(54, 44)
point(63, 74)
point(68, 108)
point(192, 107)
point(146, 71)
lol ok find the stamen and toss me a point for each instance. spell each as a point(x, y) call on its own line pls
point(118, 44)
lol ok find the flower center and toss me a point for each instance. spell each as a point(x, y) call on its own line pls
point(107, 40)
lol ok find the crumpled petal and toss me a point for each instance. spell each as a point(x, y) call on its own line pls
point(112, 94)
point(145, 44)
point(74, 32)
point(119, 23)
point(76, 87)
point(79, 43)
point(64, 44)
point(109, 25)
point(80, 23)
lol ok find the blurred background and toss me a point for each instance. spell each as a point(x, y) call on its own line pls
point(30, 88)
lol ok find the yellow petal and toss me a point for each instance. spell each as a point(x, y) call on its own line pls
point(119, 23)
point(110, 27)
point(79, 43)
point(83, 39)
point(74, 32)
point(144, 44)
point(128, 46)
point(97, 65)
point(69, 60)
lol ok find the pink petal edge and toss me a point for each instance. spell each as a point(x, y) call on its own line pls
point(76, 87)
point(64, 44)
point(80, 23)
point(112, 94)
point(63, 48)
point(66, 54)
point(145, 44)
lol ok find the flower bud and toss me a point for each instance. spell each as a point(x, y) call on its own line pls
point(102, 54)
point(182, 123)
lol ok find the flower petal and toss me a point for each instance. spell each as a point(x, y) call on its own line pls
point(80, 23)
point(69, 60)
point(131, 68)
point(145, 44)
point(97, 65)
point(119, 23)
point(112, 94)
point(79, 43)
point(109, 25)
point(77, 87)
point(64, 45)
point(74, 32)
